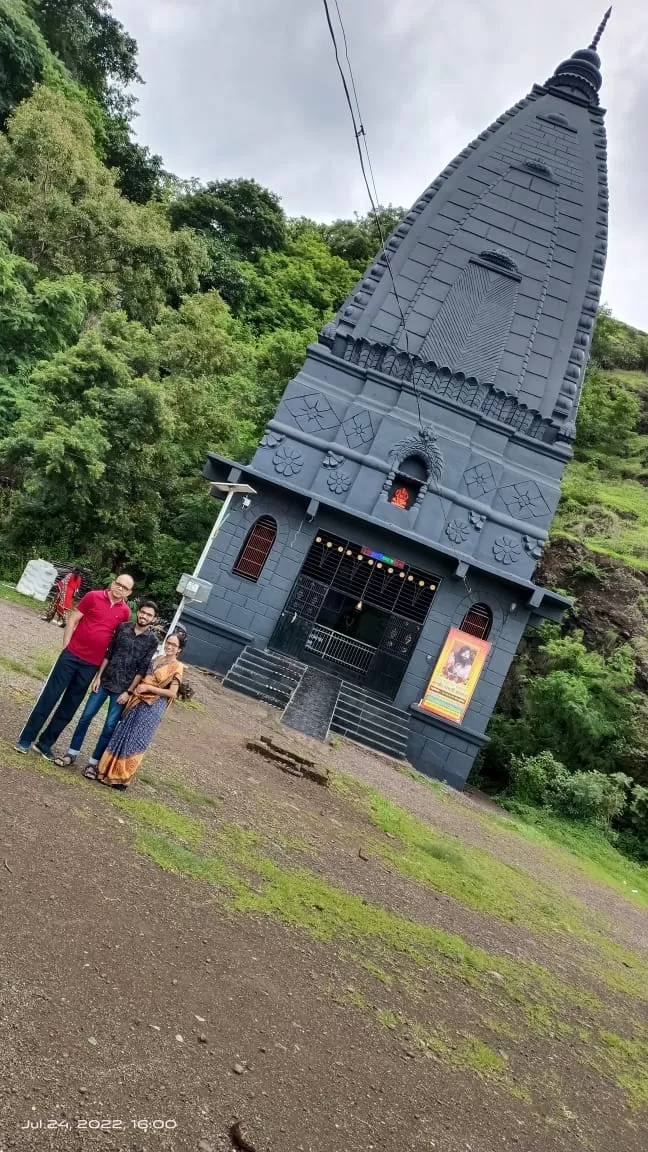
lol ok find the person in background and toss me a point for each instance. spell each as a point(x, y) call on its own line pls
point(87, 634)
point(65, 590)
point(127, 660)
point(141, 718)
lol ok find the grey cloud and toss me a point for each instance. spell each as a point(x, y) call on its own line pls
point(250, 89)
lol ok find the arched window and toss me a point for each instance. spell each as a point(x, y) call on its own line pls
point(478, 621)
point(408, 482)
point(250, 561)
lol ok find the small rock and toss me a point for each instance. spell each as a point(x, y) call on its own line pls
point(155, 1027)
point(92, 1040)
point(174, 981)
point(202, 1039)
point(205, 1146)
point(496, 976)
point(200, 1019)
point(179, 1038)
point(83, 1091)
point(239, 1069)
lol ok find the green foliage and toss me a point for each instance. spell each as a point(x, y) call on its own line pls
point(298, 288)
point(90, 42)
point(23, 54)
point(70, 217)
point(241, 212)
point(357, 241)
point(590, 796)
point(607, 415)
point(576, 704)
point(616, 345)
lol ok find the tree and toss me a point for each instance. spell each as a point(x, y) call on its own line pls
point(296, 289)
point(607, 416)
point(23, 54)
point(70, 217)
point(242, 212)
point(94, 47)
point(139, 171)
point(359, 241)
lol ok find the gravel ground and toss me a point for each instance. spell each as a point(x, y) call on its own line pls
point(106, 961)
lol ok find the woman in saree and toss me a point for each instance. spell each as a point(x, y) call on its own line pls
point(140, 719)
point(65, 590)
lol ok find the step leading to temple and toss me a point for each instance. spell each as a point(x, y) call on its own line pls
point(364, 717)
point(267, 676)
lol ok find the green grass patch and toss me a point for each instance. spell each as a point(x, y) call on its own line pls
point(391, 948)
point(160, 817)
point(17, 666)
point(607, 513)
point(576, 845)
point(179, 789)
point(8, 592)
point(487, 885)
point(44, 661)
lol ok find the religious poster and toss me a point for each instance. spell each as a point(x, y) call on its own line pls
point(451, 685)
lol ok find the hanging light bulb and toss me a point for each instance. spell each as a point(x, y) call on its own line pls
point(349, 552)
point(411, 579)
point(318, 539)
point(421, 583)
point(329, 544)
point(390, 570)
point(340, 548)
point(378, 565)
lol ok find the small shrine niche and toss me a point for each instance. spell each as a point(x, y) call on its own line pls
point(408, 483)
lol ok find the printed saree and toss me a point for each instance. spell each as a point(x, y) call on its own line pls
point(138, 725)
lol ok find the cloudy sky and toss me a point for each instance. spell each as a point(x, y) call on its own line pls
point(250, 88)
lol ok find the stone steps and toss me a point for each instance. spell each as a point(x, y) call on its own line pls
point(365, 718)
point(266, 676)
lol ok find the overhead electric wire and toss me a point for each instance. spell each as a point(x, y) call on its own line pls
point(359, 132)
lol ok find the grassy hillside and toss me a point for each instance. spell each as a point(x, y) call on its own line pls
point(605, 489)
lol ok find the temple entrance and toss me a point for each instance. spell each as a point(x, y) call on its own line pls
point(355, 612)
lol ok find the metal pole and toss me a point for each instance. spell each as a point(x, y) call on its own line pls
point(203, 555)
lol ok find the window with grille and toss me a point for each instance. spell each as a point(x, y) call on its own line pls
point(478, 621)
point(250, 561)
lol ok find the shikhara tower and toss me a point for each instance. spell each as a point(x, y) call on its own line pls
point(430, 427)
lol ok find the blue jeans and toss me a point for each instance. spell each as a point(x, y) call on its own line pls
point(63, 690)
point(94, 704)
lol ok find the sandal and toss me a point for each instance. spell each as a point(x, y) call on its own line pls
point(90, 772)
point(65, 761)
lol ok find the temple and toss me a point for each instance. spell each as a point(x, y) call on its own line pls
point(406, 484)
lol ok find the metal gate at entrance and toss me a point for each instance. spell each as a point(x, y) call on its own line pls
point(356, 612)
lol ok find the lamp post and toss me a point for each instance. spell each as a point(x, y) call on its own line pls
point(230, 490)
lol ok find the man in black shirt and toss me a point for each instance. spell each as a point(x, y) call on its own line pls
point(127, 659)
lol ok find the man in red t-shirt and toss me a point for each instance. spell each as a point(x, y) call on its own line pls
point(88, 632)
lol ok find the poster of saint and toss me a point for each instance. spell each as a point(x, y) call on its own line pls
point(453, 682)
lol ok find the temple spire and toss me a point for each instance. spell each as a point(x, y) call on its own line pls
point(580, 76)
point(600, 30)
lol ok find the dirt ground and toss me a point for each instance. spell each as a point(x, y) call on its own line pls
point(233, 943)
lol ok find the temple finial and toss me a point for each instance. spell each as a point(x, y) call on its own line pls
point(600, 30)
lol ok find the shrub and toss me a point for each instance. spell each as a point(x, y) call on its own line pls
point(531, 777)
point(589, 796)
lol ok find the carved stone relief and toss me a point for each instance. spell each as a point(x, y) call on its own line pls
point(312, 412)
